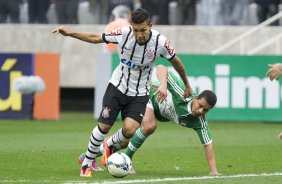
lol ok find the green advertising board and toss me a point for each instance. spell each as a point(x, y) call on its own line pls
point(243, 90)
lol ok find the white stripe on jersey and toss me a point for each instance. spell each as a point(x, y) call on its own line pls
point(133, 73)
point(176, 87)
point(204, 130)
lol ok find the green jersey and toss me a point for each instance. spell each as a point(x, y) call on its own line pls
point(178, 109)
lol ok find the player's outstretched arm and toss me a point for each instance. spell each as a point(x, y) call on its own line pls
point(179, 67)
point(275, 71)
point(209, 152)
point(162, 73)
point(280, 136)
point(84, 36)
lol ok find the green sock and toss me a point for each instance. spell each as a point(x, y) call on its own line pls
point(117, 147)
point(135, 142)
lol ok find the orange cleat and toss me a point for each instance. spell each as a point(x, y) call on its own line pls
point(85, 171)
point(107, 152)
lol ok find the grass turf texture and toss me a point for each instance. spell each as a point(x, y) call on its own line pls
point(34, 151)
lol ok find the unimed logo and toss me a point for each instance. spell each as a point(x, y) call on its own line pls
point(240, 92)
point(13, 100)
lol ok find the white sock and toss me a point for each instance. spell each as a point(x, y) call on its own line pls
point(116, 138)
point(96, 138)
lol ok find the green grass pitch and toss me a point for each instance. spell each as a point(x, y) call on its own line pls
point(33, 151)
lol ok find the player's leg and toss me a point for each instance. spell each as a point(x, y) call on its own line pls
point(132, 114)
point(123, 135)
point(148, 126)
point(112, 142)
point(107, 118)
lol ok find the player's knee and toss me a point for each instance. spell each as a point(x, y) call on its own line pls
point(149, 128)
point(129, 127)
point(104, 127)
point(128, 132)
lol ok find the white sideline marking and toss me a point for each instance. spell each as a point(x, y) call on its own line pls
point(179, 179)
point(146, 181)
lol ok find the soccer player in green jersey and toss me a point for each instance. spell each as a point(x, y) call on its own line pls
point(167, 104)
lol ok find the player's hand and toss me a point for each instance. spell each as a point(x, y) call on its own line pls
point(215, 174)
point(161, 93)
point(187, 92)
point(274, 71)
point(280, 136)
point(62, 30)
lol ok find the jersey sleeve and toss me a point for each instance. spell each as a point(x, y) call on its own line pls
point(203, 131)
point(115, 36)
point(167, 50)
point(175, 87)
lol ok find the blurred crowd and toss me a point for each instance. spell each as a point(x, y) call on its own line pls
point(164, 12)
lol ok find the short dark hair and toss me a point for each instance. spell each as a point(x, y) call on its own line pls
point(140, 15)
point(209, 96)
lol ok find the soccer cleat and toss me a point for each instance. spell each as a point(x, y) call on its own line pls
point(81, 158)
point(107, 152)
point(95, 166)
point(85, 171)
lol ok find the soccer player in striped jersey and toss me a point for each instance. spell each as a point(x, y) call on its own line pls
point(171, 106)
point(138, 47)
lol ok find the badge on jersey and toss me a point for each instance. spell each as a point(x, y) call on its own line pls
point(150, 53)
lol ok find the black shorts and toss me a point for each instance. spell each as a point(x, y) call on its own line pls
point(114, 101)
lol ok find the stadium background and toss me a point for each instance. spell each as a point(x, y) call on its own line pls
point(78, 60)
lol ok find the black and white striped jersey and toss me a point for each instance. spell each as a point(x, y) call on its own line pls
point(137, 61)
